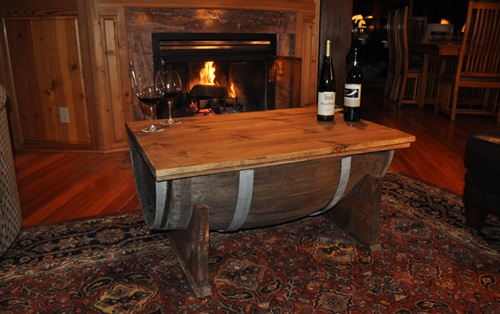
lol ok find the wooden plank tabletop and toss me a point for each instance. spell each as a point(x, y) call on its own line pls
point(229, 142)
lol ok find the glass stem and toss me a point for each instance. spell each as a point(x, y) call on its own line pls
point(169, 109)
point(152, 118)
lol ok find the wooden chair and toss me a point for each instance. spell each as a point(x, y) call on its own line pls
point(478, 69)
point(392, 67)
point(416, 28)
point(410, 73)
point(397, 79)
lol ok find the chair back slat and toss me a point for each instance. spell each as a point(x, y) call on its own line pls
point(480, 50)
point(392, 67)
point(391, 37)
point(416, 27)
point(402, 37)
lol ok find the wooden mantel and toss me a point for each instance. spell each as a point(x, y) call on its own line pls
point(74, 54)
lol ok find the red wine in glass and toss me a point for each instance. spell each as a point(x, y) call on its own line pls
point(151, 96)
point(150, 100)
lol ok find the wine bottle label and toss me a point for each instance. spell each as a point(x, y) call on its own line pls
point(352, 95)
point(326, 103)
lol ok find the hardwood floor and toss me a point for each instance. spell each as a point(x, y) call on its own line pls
point(57, 186)
point(437, 154)
point(60, 186)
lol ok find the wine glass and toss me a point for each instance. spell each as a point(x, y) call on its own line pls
point(172, 86)
point(150, 92)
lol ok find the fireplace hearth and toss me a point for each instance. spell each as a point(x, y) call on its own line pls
point(227, 72)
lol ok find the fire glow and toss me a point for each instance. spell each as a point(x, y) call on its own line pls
point(207, 77)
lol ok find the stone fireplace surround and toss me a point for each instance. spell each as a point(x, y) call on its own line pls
point(142, 22)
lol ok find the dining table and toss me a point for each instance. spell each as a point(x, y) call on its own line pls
point(439, 56)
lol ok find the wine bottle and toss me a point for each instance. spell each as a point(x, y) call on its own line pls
point(326, 88)
point(132, 74)
point(352, 90)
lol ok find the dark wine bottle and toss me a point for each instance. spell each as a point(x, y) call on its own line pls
point(326, 88)
point(352, 90)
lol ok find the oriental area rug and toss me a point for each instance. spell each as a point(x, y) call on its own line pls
point(430, 262)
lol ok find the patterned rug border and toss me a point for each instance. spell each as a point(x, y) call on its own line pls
point(36, 244)
point(447, 214)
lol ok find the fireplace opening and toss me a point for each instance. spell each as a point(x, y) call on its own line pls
point(227, 73)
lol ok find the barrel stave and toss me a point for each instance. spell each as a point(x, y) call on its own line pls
point(280, 193)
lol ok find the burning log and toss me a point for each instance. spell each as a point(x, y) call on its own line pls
point(214, 98)
point(209, 92)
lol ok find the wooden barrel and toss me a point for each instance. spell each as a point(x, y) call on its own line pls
point(258, 197)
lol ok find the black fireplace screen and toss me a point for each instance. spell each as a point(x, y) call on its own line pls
point(225, 73)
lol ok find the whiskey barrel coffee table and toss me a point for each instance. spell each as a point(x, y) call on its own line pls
point(249, 170)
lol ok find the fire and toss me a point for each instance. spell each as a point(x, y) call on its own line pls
point(207, 74)
point(232, 92)
point(207, 77)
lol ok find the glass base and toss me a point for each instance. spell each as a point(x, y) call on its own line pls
point(153, 129)
point(170, 122)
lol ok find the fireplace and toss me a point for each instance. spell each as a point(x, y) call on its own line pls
point(280, 75)
point(227, 72)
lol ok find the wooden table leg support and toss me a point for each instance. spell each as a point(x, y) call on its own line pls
point(192, 246)
point(359, 214)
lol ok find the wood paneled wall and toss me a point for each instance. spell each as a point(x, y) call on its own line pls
point(47, 67)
